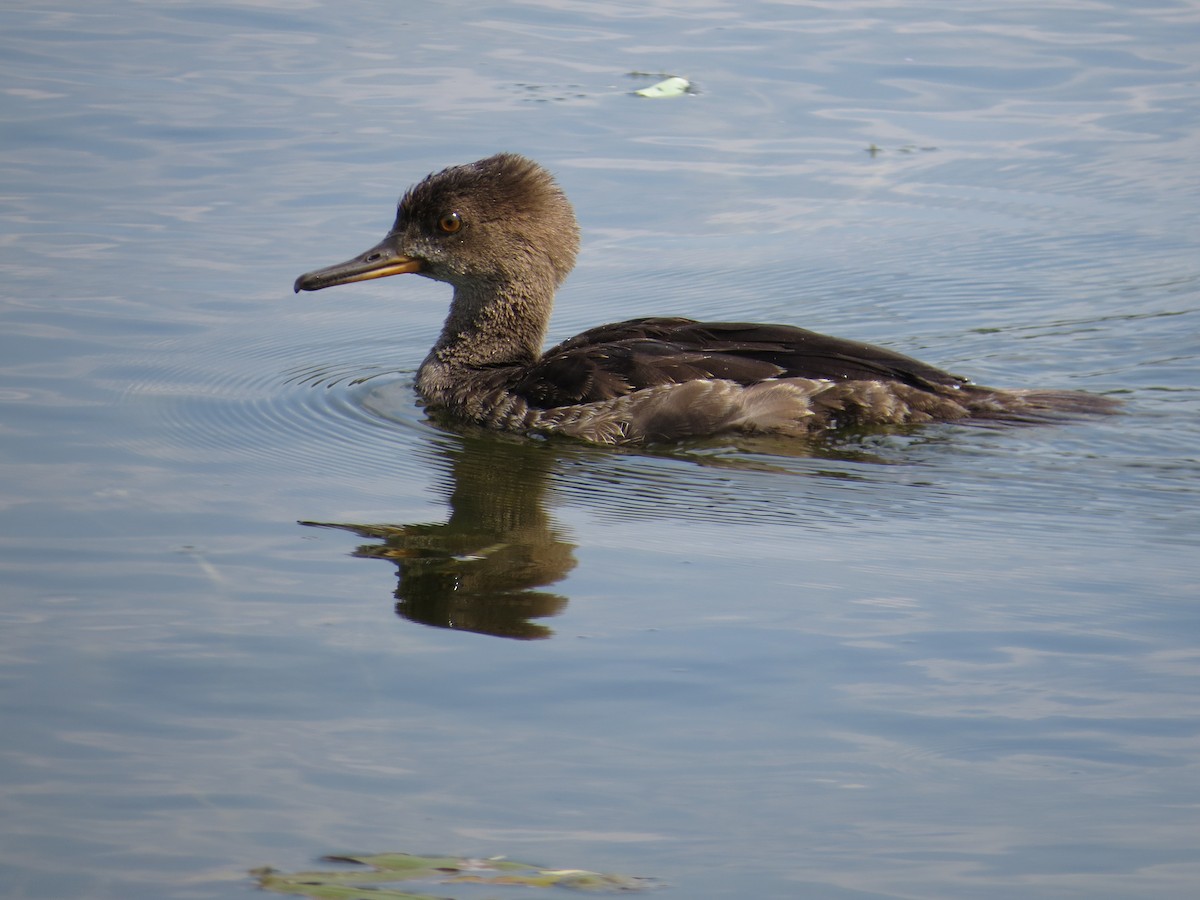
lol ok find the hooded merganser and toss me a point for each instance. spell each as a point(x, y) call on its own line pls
point(502, 232)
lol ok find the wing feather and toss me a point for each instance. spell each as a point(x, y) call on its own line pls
point(610, 361)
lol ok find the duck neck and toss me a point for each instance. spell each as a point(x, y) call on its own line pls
point(490, 326)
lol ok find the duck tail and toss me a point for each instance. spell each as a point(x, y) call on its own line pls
point(1035, 404)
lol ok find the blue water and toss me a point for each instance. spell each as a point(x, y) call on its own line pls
point(956, 662)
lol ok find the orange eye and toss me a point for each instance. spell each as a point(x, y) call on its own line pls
point(450, 223)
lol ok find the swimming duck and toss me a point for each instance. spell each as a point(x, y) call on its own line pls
point(504, 235)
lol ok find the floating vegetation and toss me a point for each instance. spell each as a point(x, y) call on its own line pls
point(670, 86)
point(875, 149)
point(394, 868)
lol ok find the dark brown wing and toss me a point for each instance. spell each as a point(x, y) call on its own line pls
point(612, 360)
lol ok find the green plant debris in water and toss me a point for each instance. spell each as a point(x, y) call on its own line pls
point(392, 868)
point(671, 86)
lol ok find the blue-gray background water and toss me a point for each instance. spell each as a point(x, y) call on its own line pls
point(955, 662)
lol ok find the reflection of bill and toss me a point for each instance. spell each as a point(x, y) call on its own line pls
point(479, 571)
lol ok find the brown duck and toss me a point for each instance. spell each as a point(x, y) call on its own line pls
point(504, 235)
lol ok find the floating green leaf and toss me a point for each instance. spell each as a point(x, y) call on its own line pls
point(385, 868)
point(670, 87)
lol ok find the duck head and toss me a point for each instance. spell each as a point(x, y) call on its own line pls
point(500, 224)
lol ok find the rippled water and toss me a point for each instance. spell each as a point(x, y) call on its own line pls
point(258, 608)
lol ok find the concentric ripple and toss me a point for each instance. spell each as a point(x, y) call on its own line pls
point(234, 400)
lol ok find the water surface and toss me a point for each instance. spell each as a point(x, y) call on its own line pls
point(951, 662)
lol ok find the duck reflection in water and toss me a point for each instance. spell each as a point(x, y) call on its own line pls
point(481, 570)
